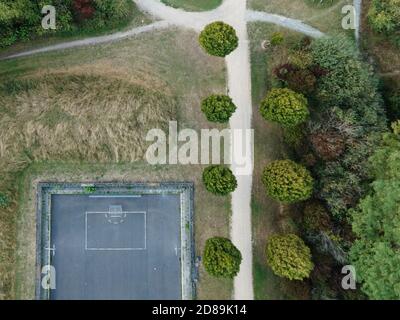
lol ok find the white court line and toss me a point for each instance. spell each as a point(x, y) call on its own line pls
point(116, 196)
point(116, 249)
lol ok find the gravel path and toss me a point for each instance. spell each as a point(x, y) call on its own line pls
point(358, 8)
point(94, 40)
point(239, 85)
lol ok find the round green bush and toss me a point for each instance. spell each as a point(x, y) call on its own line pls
point(219, 39)
point(221, 258)
point(287, 181)
point(4, 201)
point(218, 108)
point(219, 180)
point(277, 38)
point(289, 257)
point(285, 107)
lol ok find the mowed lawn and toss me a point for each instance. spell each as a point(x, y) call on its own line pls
point(327, 19)
point(193, 5)
point(83, 114)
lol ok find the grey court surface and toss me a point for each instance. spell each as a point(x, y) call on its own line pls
point(116, 247)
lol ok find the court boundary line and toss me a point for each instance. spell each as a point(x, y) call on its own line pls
point(116, 249)
point(45, 190)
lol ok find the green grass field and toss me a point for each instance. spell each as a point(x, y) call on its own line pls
point(325, 18)
point(81, 114)
point(193, 5)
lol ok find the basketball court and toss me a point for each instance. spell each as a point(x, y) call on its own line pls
point(115, 246)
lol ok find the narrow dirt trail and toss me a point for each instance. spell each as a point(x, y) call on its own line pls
point(93, 41)
point(358, 8)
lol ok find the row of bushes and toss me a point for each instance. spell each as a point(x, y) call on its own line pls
point(220, 257)
point(20, 20)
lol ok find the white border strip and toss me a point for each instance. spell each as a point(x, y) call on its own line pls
point(116, 196)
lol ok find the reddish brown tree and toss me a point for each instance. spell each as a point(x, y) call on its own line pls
point(297, 79)
point(83, 9)
point(328, 145)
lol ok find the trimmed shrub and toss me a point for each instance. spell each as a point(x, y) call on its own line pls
point(285, 107)
point(219, 180)
point(221, 258)
point(287, 181)
point(289, 257)
point(219, 39)
point(218, 108)
point(277, 38)
point(4, 201)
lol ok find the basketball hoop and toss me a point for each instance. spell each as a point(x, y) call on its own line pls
point(115, 215)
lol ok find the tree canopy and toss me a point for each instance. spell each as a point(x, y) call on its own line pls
point(219, 180)
point(289, 257)
point(287, 181)
point(218, 108)
point(285, 107)
point(221, 258)
point(219, 39)
point(376, 222)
